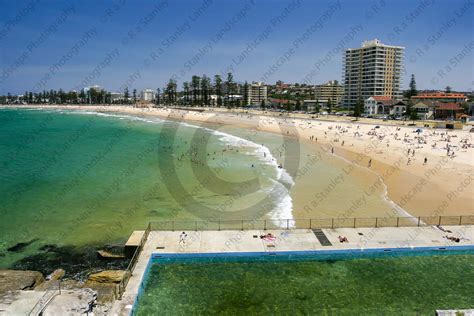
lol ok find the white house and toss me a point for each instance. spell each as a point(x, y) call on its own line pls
point(384, 105)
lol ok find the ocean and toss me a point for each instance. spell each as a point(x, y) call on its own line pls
point(78, 178)
point(76, 181)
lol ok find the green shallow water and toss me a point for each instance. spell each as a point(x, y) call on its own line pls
point(82, 179)
point(378, 286)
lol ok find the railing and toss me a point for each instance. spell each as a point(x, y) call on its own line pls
point(131, 265)
point(45, 300)
point(311, 223)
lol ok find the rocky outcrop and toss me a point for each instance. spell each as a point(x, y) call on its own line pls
point(11, 280)
point(108, 276)
point(106, 284)
point(51, 280)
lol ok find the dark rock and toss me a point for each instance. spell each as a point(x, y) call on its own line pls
point(19, 246)
point(78, 262)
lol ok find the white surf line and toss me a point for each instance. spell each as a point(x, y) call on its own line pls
point(283, 210)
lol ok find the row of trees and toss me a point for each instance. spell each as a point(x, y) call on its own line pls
point(198, 91)
point(92, 96)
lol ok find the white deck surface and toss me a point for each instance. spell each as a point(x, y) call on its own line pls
point(286, 240)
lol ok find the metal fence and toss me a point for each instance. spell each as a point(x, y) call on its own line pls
point(311, 223)
point(131, 265)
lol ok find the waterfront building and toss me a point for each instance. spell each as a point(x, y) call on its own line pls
point(257, 92)
point(384, 105)
point(147, 95)
point(116, 96)
point(372, 70)
point(330, 90)
point(440, 97)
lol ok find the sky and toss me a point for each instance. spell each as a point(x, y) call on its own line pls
point(142, 44)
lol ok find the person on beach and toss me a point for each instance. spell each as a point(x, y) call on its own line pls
point(425, 161)
point(182, 238)
point(370, 163)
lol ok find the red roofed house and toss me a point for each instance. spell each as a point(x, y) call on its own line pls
point(448, 110)
point(440, 96)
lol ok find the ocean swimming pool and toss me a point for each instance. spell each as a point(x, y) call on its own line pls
point(333, 282)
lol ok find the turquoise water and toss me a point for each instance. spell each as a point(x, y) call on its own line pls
point(76, 181)
point(396, 285)
point(82, 179)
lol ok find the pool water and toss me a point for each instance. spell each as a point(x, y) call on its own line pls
point(398, 285)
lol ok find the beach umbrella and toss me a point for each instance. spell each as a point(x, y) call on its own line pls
point(419, 130)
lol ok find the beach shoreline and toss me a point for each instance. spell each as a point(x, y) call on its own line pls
point(440, 187)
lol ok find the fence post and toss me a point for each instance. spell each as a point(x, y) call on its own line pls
point(460, 220)
point(242, 225)
point(419, 218)
point(354, 222)
point(219, 224)
point(332, 223)
point(172, 226)
point(288, 224)
point(264, 224)
point(398, 221)
point(439, 221)
point(196, 225)
point(376, 221)
point(310, 223)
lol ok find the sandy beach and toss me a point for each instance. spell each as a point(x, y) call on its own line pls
point(425, 173)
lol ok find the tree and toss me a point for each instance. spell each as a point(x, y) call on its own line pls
point(134, 95)
point(448, 89)
point(329, 106)
point(171, 91)
point(218, 88)
point(157, 98)
point(229, 85)
point(262, 105)
point(298, 105)
point(205, 89)
point(289, 107)
point(186, 92)
point(126, 94)
point(412, 92)
point(246, 94)
point(413, 115)
point(195, 83)
point(317, 107)
point(358, 108)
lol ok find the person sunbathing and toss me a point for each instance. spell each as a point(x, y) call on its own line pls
point(342, 239)
point(452, 238)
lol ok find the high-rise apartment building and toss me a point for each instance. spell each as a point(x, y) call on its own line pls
point(372, 70)
point(147, 95)
point(257, 92)
point(330, 90)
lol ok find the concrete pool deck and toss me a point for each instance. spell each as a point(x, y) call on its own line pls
point(231, 241)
